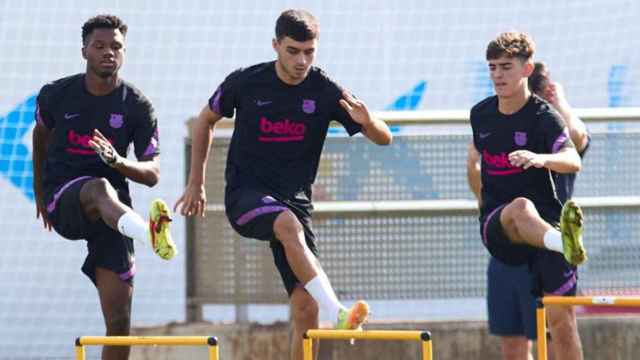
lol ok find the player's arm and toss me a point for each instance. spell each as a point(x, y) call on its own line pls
point(144, 171)
point(40, 143)
point(201, 139)
point(474, 178)
point(554, 93)
point(373, 128)
point(193, 200)
point(564, 161)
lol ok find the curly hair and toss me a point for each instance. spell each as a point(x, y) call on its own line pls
point(511, 44)
point(102, 22)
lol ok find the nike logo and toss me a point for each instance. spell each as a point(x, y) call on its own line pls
point(263, 103)
point(70, 116)
point(484, 135)
point(568, 273)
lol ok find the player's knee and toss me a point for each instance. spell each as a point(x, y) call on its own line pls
point(515, 348)
point(519, 204)
point(509, 353)
point(287, 228)
point(519, 209)
point(561, 320)
point(118, 322)
point(305, 312)
point(98, 188)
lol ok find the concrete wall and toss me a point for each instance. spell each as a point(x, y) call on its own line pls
point(611, 338)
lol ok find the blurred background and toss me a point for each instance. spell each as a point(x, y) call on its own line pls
point(405, 55)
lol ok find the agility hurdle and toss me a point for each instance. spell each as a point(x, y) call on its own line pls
point(210, 341)
point(541, 317)
point(398, 335)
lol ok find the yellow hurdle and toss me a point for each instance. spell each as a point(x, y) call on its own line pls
point(541, 324)
point(399, 335)
point(210, 341)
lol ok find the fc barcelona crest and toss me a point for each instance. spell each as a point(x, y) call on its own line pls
point(520, 138)
point(116, 121)
point(308, 106)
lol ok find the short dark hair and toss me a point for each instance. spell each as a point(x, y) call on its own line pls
point(102, 22)
point(297, 24)
point(512, 44)
point(539, 78)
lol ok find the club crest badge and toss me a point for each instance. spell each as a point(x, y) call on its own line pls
point(520, 138)
point(308, 106)
point(116, 121)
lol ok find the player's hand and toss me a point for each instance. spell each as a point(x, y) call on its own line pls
point(526, 159)
point(356, 109)
point(192, 202)
point(554, 94)
point(41, 212)
point(104, 149)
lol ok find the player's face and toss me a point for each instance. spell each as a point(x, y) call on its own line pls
point(509, 75)
point(295, 58)
point(104, 52)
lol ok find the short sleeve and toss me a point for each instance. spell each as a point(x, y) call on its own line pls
point(224, 100)
point(586, 147)
point(556, 135)
point(43, 110)
point(472, 121)
point(146, 139)
point(340, 114)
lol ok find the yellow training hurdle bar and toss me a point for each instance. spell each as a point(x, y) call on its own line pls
point(541, 317)
point(210, 341)
point(401, 335)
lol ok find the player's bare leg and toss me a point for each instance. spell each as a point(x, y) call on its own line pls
point(523, 225)
point(115, 300)
point(562, 323)
point(100, 201)
point(304, 265)
point(304, 316)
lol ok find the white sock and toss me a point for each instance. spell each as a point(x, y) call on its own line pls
point(322, 292)
point(132, 225)
point(553, 240)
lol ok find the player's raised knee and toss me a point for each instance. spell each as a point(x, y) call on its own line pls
point(520, 207)
point(99, 185)
point(287, 227)
point(521, 203)
point(97, 189)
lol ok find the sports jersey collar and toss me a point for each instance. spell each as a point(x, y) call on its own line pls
point(88, 93)
point(272, 69)
point(524, 107)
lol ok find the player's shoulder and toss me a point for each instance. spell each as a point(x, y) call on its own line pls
point(543, 109)
point(132, 93)
point(58, 86)
point(256, 71)
point(320, 78)
point(539, 105)
point(486, 106)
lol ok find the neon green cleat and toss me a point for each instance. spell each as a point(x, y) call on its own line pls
point(159, 221)
point(353, 318)
point(571, 220)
